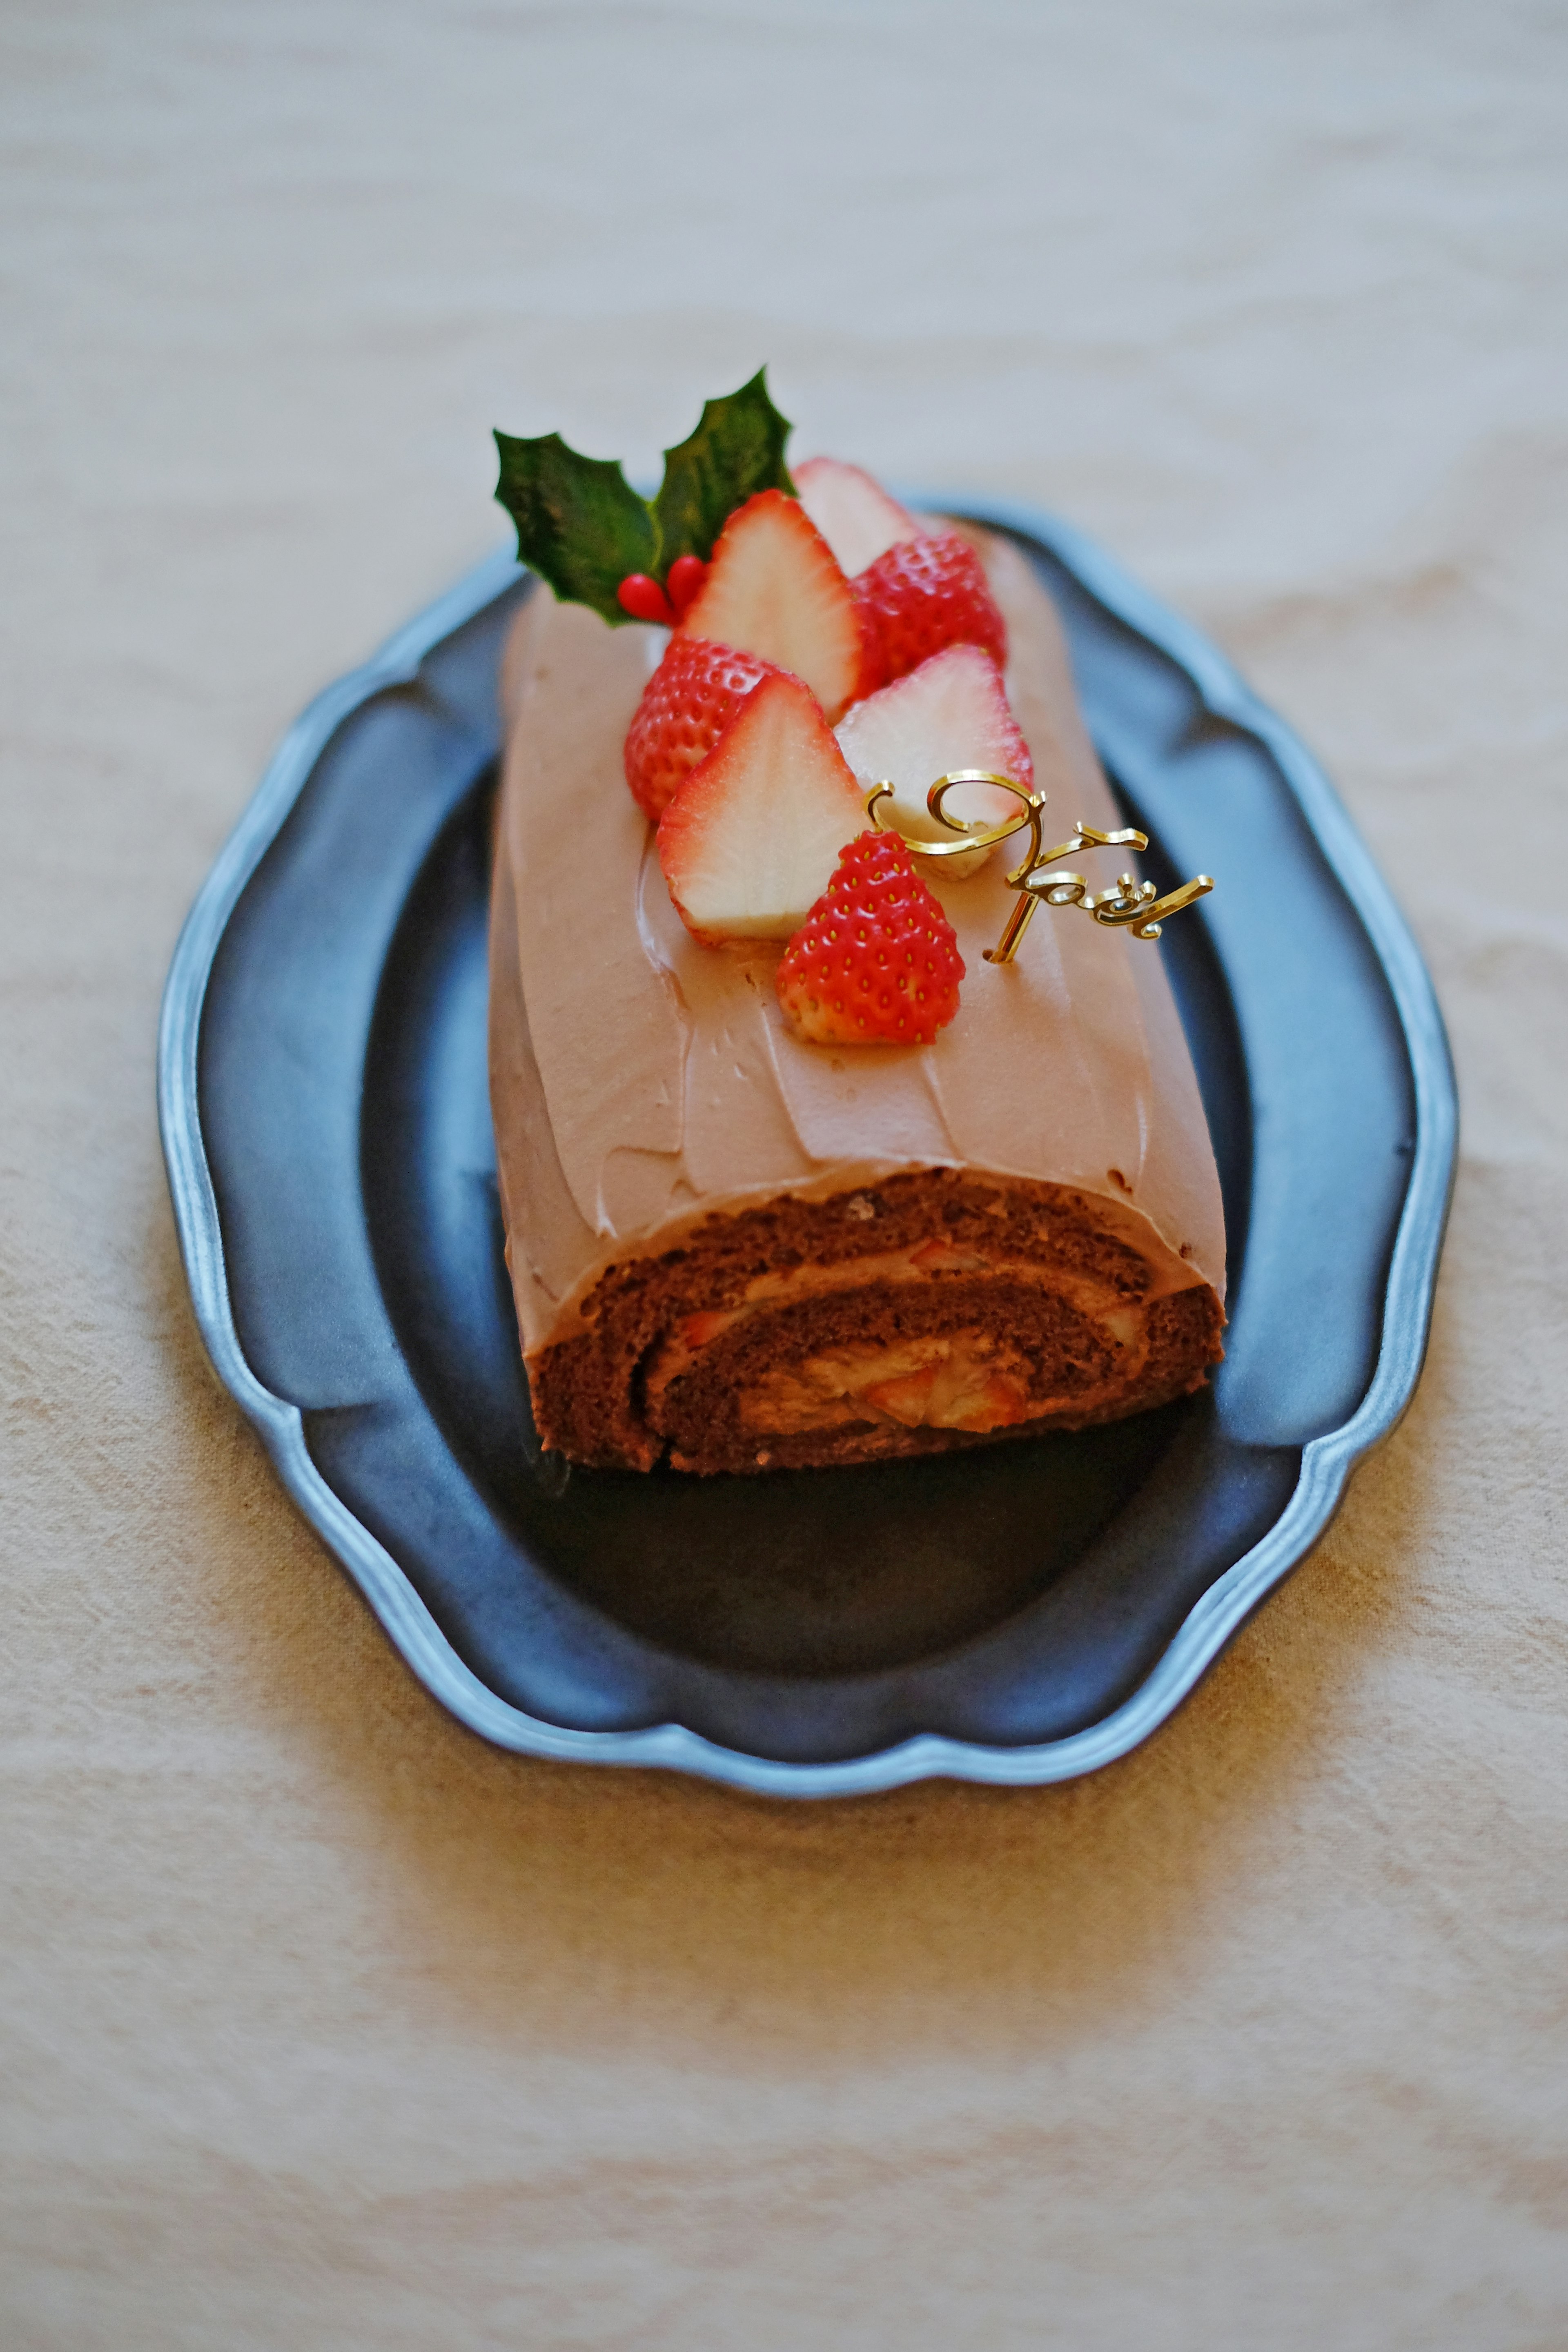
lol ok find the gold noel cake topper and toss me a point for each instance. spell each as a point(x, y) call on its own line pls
point(1130, 903)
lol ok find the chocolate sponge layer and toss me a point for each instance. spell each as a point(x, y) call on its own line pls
point(937, 1309)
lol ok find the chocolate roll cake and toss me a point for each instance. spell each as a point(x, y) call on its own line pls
point(734, 1250)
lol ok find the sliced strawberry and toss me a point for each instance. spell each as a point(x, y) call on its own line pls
point(697, 1330)
point(855, 515)
point(952, 712)
point(925, 594)
point(945, 1257)
point(876, 962)
point(904, 1398)
point(749, 841)
point(966, 1395)
point(958, 1390)
point(686, 704)
point(774, 589)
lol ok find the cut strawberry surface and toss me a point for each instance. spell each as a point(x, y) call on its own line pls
point(904, 1398)
point(774, 589)
point(689, 701)
point(928, 593)
point(855, 515)
point(749, 840)
point(876, 962)
point(952, 712)
point(967, 1394)
point(957, 1389)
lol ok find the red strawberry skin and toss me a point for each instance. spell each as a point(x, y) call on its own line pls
point(876, 962)
point(874, 671)
point(926, 594)
point(686, 704)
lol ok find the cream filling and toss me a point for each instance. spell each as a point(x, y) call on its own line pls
point(959, 1379)
point(963, 1381)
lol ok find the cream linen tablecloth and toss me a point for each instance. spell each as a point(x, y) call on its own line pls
point(324, 2025)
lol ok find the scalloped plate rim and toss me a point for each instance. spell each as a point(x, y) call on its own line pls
point(1327, 1461)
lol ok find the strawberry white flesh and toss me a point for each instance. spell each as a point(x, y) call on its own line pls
point(776, 589)
point(855, 515)
point(750, 840)
point(952, 712)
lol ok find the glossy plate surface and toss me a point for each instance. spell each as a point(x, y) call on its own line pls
point(1018, 1613)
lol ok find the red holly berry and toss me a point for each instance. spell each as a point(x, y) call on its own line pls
point(925, 594)
point(876, 962)
point(643, 599)
point(686, 704)
point(683, 582)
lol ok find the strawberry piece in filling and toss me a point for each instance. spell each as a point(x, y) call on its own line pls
point(962, 1379)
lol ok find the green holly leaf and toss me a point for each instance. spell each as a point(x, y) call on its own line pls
point(580, 524)
point(737, 450)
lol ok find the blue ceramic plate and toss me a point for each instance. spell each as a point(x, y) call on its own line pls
point(1021, 1612)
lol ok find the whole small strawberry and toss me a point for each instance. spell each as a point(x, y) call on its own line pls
point(876, 962)
point(686, 704)
point(926, 594)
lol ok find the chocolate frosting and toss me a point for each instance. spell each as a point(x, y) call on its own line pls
point(641, 1081)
